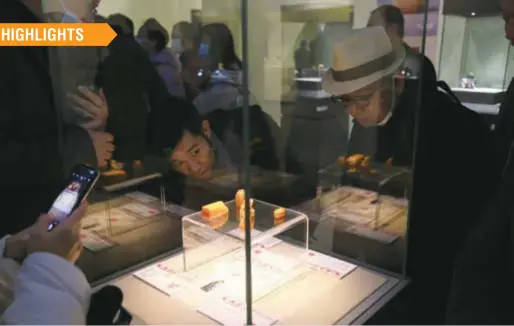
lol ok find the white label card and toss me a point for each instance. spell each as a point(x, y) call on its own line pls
point(336, 267)
point(266, 243)
point(93, 242)
point(162, 278)
point(229, 312)
point(141, 197)
point(141, 209)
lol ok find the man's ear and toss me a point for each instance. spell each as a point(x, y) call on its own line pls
point(206, 129)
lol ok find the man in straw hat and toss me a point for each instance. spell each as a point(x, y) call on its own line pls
point(451, 146)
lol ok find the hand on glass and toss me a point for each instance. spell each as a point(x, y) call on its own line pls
point(16, 246)
point(104, 146)
point(91, 105)
point(63, 240)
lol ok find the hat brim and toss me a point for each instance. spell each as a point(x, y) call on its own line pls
point(334, 87)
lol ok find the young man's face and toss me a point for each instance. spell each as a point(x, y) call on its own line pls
point(508, 16)
point(370, 105)
point(194, 155)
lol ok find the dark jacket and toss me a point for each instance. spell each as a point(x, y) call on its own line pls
point(30, 164)
point(132, 88)
point(451, 183)
point(483, 280)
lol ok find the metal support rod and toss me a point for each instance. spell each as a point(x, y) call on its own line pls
point(246, 161)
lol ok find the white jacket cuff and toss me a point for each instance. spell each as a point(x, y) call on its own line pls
point(56, 291)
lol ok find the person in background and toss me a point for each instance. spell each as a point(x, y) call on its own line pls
point(391, 18)
point(33, 132)
point(378, 96)
point(122, 24)
point(151, 24)
point(83, 106)
point(165, 63)
point(302, 57)
point(483, 278)
point(39, 283)
point(224, 76)
point(183, 39)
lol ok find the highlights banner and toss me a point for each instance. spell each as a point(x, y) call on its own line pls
point(44, 34)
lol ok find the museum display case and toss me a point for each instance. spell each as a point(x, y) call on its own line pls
point(475, 60)
point(320, 238)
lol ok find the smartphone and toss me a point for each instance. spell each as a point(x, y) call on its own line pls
point(81, 182)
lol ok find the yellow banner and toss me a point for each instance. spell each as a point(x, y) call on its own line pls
point(43, 34)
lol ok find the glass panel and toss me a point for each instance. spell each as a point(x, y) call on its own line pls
point(475, 61)
point(248, 150)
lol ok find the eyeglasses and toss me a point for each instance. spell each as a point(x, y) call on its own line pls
point(361, 101)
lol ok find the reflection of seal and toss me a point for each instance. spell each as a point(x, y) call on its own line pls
point(211, 286)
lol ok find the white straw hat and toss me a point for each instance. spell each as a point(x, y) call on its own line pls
point(361, 59)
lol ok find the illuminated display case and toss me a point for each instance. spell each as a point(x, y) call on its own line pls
point(336, 253)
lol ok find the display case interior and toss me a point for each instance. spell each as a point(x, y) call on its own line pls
point(205, 282)
point(123, 229)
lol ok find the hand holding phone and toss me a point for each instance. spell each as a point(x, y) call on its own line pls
point(80, 184)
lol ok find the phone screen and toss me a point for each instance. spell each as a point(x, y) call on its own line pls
point(81, 182)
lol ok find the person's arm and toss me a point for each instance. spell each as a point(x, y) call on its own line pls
point(48, 290)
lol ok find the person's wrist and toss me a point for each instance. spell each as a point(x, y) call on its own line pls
point(12, 252)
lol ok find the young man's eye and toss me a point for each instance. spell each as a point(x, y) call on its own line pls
point(196, 152)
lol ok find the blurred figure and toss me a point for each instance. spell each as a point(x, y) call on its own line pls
point(223, 89)
point(195, 74)
point(183, 39)
point(122, 24)
point(38, 144)
point(365, 77)
point(151, 24)
point(391, 18)
point(165, 63)
point(303, 57)
point(83, 105)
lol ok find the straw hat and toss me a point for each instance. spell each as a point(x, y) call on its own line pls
point(361, 59)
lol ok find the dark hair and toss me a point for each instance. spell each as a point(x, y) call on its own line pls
point(152, 24)
point(123, 23)
point(158, 38)
point(167, 126)
point(186, 29)
point(393, 15)
point(221, 46)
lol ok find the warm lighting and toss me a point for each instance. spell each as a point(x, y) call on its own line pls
point(473, 14)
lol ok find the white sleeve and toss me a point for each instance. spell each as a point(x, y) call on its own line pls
point(56, 291)
point(8, 271)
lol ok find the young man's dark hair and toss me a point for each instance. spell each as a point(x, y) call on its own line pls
point(392, 15)
point(122, 23)
point(158, 38)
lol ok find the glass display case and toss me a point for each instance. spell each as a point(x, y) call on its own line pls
point(255, 194)
point(474, 60)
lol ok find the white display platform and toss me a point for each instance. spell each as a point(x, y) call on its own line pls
point(316, 295)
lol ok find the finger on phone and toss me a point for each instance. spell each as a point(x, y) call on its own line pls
point(75, 217)
point(43, 222)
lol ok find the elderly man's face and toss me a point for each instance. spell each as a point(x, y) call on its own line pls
point(369, 105)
